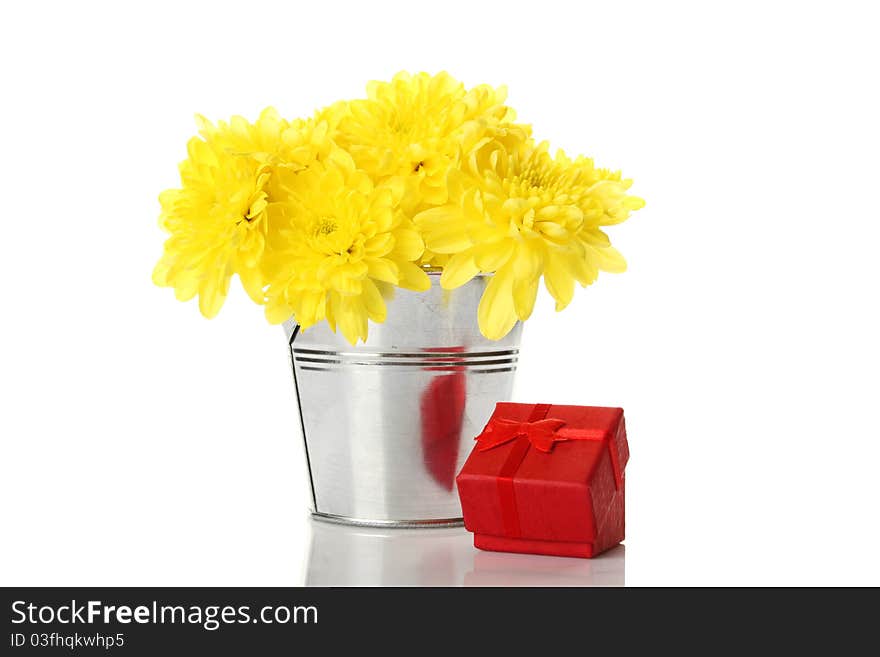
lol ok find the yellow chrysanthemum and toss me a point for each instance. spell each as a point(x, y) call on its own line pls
point(218, 225)
point(409, 133)
point(341, 243)
point(522, 214)
point(218, 219)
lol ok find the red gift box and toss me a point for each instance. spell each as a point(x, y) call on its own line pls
point(547, 479)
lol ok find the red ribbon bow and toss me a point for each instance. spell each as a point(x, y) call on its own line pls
point(543, 434)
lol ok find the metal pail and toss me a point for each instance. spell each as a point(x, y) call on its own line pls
point(387, 424)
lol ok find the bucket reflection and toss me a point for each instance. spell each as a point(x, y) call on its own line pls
point(342, 555)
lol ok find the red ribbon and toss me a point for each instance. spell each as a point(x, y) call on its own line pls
point(537, 431)
point(541, 434)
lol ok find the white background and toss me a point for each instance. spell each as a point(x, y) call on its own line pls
point(142, 444)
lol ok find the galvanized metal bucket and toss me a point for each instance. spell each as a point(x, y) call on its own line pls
point(387, 424)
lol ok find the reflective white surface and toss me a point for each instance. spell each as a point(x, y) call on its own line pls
point(341, 555)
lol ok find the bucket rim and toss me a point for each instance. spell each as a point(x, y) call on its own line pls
point(437, 271)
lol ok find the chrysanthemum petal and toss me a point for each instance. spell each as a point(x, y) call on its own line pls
point(450, 240)
point(379, 245)
point(413, 277)
point(559, 281)
point(252, 282)
point(610, 260)
point(373, 302)
point(584, 268)
point(496, 314)
point(346, 279)
point(408, 244)
point(160, 273)
point(212, 294)
point(528, 262)
point(493, 255)
point(524, 293)
point(382, 269)
point(459, 269)
point(595, 237)
point(309, 308)
point(277, 311)
point(351, 317)
point(437, 217)
point(186, 286)
point(443, 228)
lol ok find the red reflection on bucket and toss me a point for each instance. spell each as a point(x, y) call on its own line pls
point(442, 413)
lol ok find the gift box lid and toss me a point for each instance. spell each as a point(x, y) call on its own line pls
point(548, 472)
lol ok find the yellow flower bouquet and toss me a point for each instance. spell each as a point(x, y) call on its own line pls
point(322, 218)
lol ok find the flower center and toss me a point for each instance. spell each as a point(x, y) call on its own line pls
point(326, 226)
point(246, 218)
point(536, 179)
point(334, 238)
